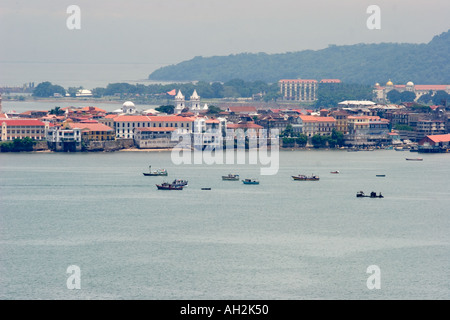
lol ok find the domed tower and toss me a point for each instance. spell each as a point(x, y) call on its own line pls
point(180, 102)
point(128, 107)
point(410, 86)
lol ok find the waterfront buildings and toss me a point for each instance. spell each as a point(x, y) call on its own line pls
point(20, 128)
point(93, 131)
point(315, 125)
point(125, 125)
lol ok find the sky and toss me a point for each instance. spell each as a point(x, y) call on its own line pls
point(164, 32)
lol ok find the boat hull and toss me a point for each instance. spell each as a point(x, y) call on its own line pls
point(168, 187)
point(296, 178)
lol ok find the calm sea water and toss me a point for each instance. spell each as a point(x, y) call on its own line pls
point(282, 239)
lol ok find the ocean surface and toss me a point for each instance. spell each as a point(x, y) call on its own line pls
point(282, 239)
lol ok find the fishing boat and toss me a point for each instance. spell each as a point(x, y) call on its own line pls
point(250, 181)
point(381, 175)
point(159, 172)
point(361, 194)
point(414, 159)
point(179, 182)
point(335, 172)
point(206, 188)
point(306, 178)
point(168, 186)
point(231, 177)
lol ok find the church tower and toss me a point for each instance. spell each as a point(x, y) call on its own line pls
point(180, 102)
point(195, 101)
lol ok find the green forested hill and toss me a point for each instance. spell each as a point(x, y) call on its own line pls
point(359, 63)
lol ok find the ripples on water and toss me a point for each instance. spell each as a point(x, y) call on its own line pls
point(281, 239)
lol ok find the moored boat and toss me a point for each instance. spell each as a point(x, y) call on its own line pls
point(168, 186)
point(250, 181)
point(335, 172)
point(414, 159)
point(179, 182)
point(306, 178)
point(231, 177)
point(159, 172)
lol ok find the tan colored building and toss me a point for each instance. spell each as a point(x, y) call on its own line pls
point(314, 125)
point(93, 131)
point(304, 90)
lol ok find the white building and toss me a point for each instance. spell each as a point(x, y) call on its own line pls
point(193, 105)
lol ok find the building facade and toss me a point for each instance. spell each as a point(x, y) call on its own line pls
point(304, 90)
point(18, 129)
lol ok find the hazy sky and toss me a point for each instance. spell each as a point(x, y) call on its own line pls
point(170, 31)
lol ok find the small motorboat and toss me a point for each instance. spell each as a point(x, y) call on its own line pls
point(302, 177)
point(231, 177)
point(250, 181)
point(206, 188)
point(414, 159)
point(381, 175)
point(179, 182)
point(335, 172)
point(168, 186)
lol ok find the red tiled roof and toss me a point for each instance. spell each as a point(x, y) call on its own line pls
point(151, 129)
point(212, 121)
point(93, 109)
point(19, 122)
point(299, 80)
point(431, 87)
point(243, 126)
point(153, 118)
point(317, 119)
point(330, 81)
point(90, 126)
point(439, 138)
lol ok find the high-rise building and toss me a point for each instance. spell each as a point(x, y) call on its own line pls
point(298, 89)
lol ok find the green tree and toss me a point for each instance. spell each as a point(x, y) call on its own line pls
point(288, 131)
point(337, 138)
point(47, 89)
point(407, 96)
point(213, 110)
point(394, 96)
point(73, 91)
point(441, 98)
point(301, 140)
point(319, 141)
point(426, 98)
point(169, 109)
point(57, 111)
point(403, 127)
